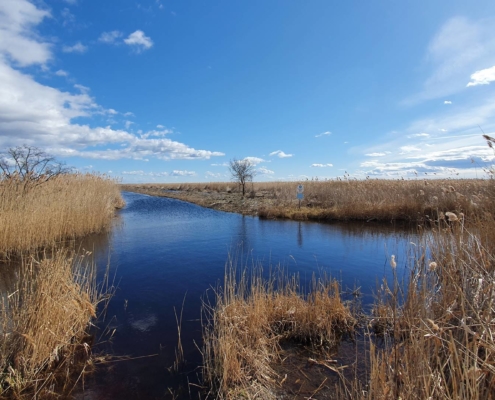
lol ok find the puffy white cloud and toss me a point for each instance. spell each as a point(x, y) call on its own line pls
point(139, 41)
point(264, 171)
point(61, 72)
point(35, 114)
point(482, 77)
point(447, 102)
point(376, 154)
point(321, 165)
point(77, 48)
point(110, 37)
point(327, 133)
point(254, 160)
point(280, 154)
point(17, 39)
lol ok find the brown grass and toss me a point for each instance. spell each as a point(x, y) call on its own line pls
point(66, 207)
point(43, 328)
point(46, 311)
point(252, 316)
point(380, 200)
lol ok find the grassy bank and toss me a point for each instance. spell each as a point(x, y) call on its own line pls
point(65, 207)
point(369, 200)
point(45, 312)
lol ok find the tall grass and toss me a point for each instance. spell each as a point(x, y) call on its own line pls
point(46, 311)
point(43, 325)
point(65, 207)
point(252, 316)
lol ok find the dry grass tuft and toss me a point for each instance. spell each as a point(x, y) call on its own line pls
point(43, 329)
point(251, 316)
point(65, 207)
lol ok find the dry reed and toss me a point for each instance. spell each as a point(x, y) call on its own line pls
point(43, 328)
point(252, 316)
point(65, 207)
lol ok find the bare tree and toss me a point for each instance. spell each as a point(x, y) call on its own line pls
point(242, 171)
point(30, 164)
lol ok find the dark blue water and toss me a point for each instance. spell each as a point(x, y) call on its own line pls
point(165, 252)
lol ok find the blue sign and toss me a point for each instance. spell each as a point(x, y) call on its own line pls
point(300, 196)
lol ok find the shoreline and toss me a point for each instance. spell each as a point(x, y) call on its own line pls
point(222, 201)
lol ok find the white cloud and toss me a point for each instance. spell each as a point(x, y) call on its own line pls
point(280, 154)
point(35, 114)
point(160, 126)
point(321, 165)
point(418, 135)
point(128, 124)
point(376, 154)
point(142, 173)
point(482, 77)
point(264, 171)
point(82, 88)
point(408, 149)
point(324, 134)
point(447, 102)
point(210, 174)
point(17, 39)
point(139, 41)
point(177, 172)
point(254, 160)
point(225, 164)
point(110, 37)
point(61, 72)
point(460, 47)
point(77, 48)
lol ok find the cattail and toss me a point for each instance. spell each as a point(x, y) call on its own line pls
point(451, 216)
point(393, 264)
point(432, 265)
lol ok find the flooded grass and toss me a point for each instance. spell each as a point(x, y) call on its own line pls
point(254, 317)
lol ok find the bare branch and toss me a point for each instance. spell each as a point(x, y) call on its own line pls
point(29, 164)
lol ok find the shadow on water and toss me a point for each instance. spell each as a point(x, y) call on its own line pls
point(164, 249)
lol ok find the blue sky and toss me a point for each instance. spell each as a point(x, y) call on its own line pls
point(170, 91)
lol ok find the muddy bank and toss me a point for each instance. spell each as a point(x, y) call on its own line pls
point(223, 201)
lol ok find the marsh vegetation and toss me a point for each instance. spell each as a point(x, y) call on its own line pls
point(47, 307)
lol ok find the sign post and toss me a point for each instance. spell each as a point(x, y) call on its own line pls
point(300, 193)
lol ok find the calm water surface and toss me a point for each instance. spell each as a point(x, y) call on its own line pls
point(166, 251)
